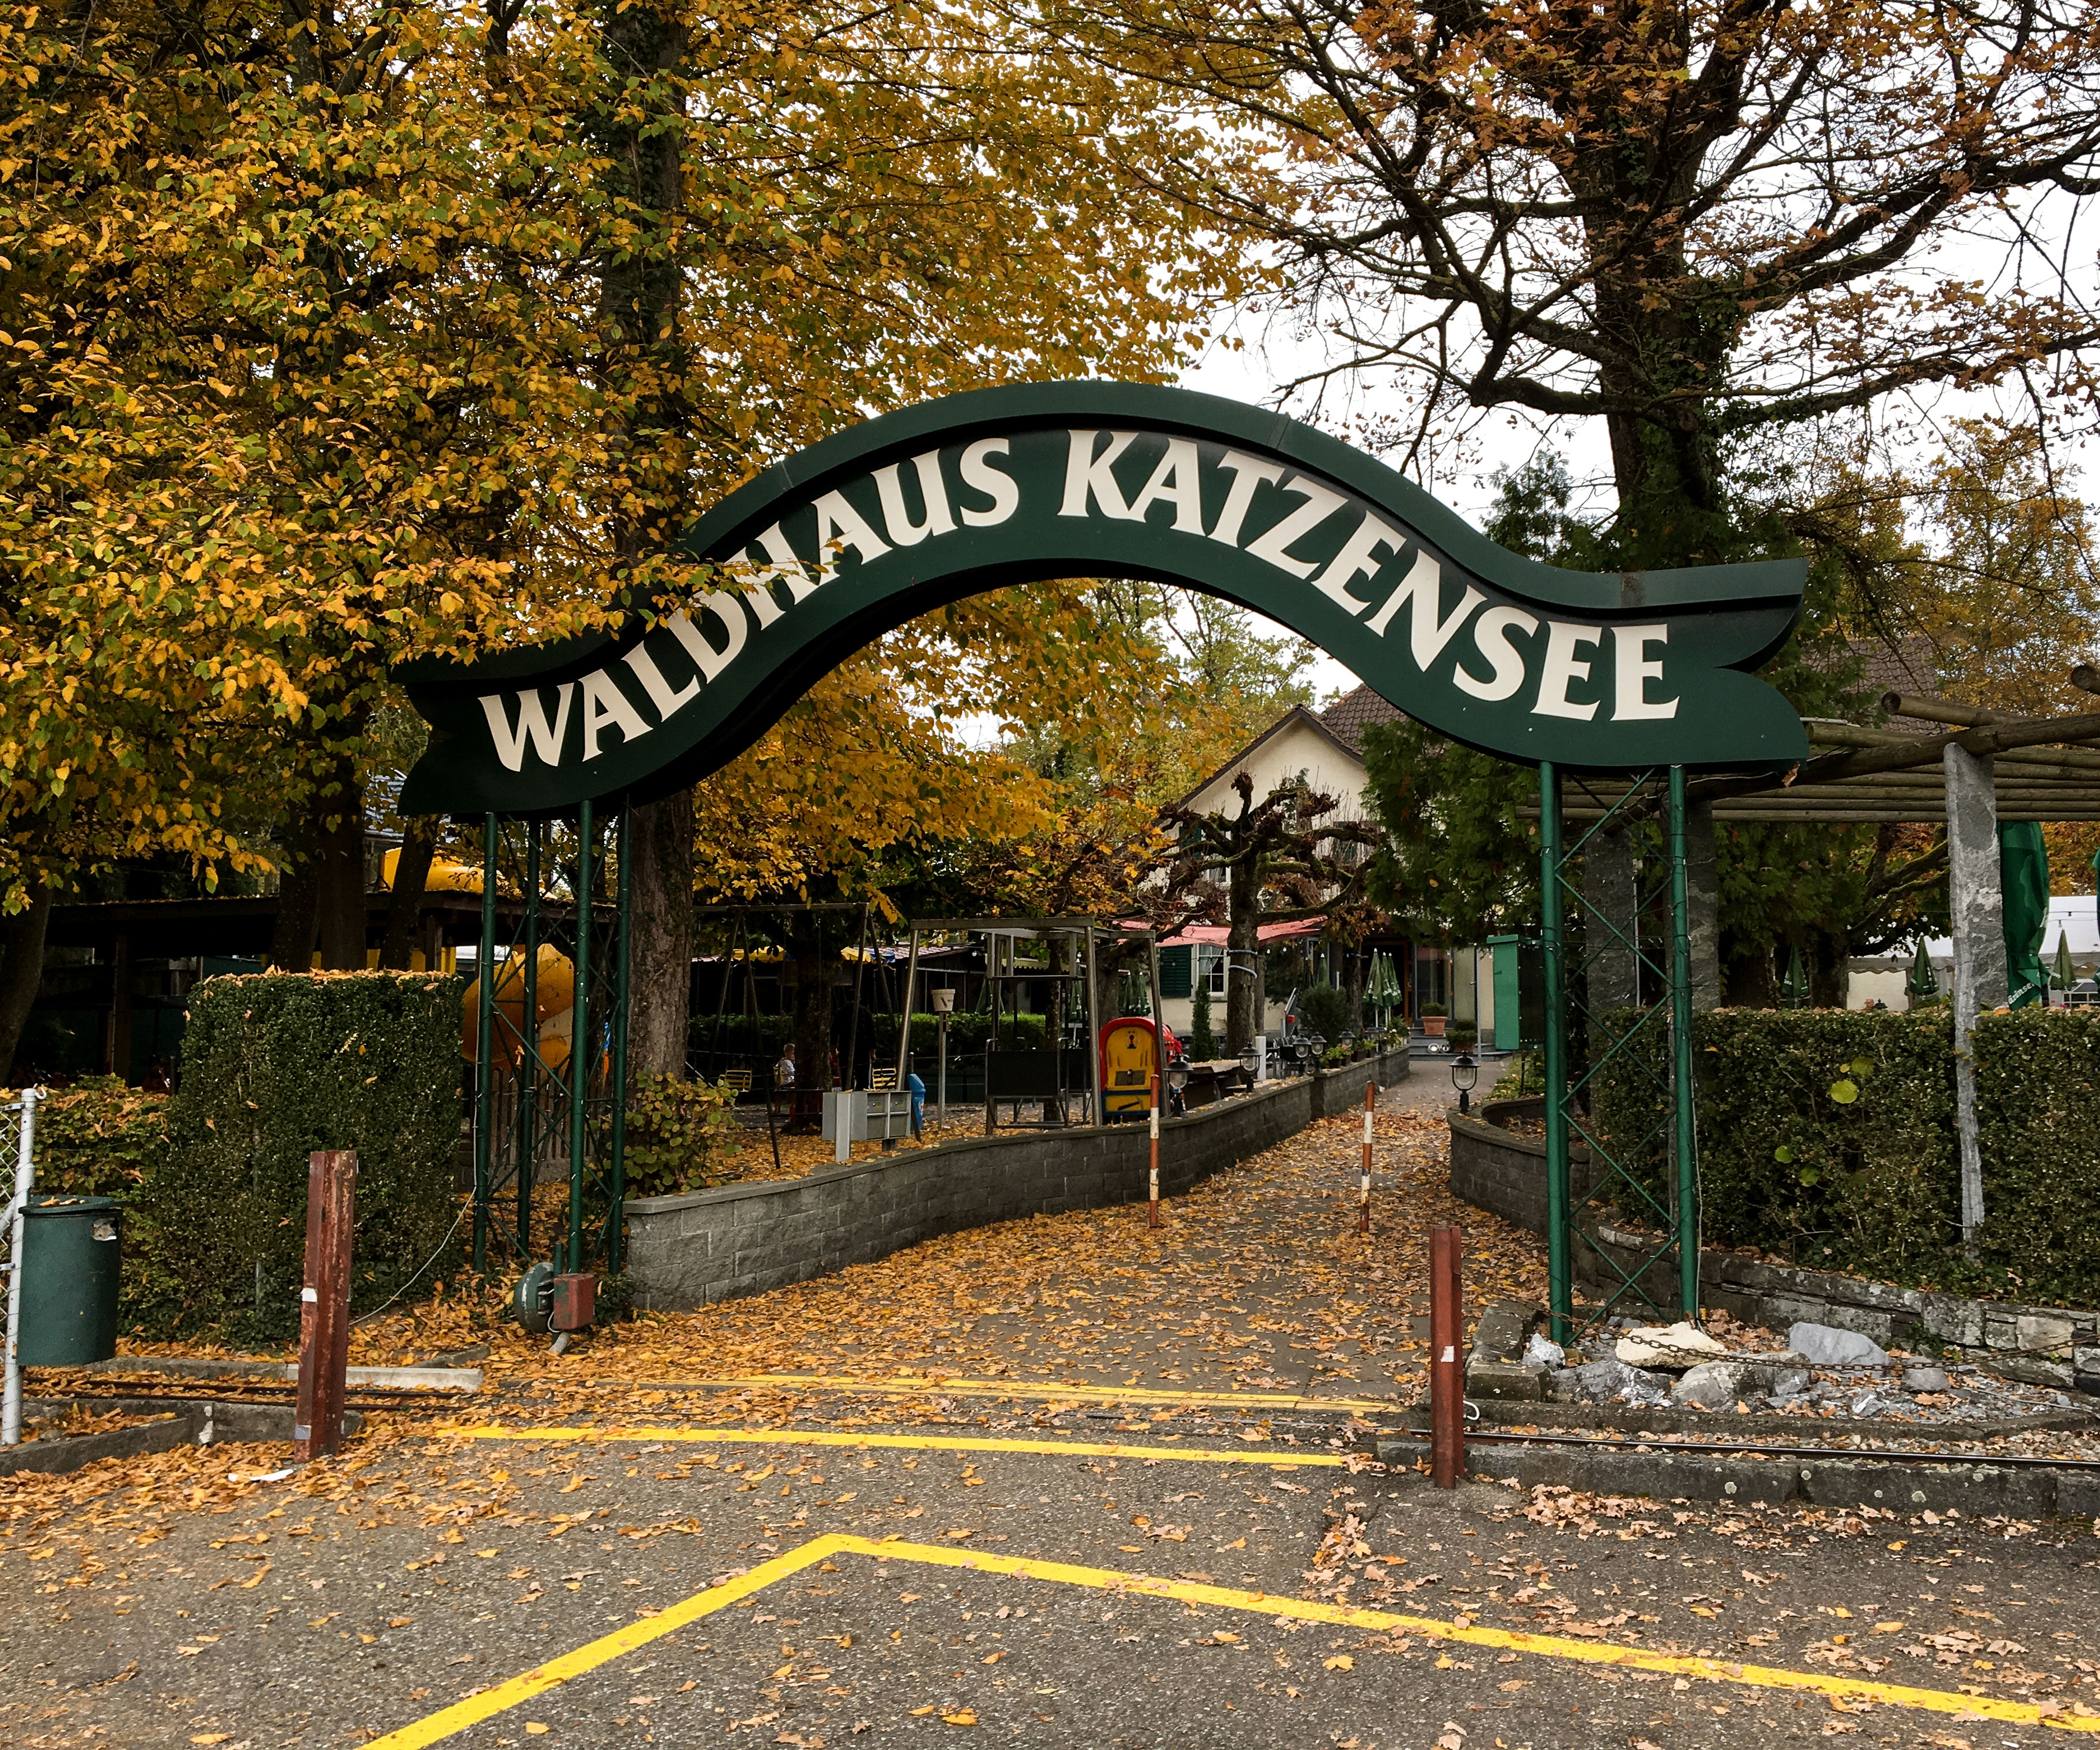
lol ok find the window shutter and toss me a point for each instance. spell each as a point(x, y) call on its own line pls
point(1175, 974)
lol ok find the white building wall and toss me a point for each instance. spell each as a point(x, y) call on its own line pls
point(1297, 749)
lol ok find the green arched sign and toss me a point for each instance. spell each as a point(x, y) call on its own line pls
point(826, 551)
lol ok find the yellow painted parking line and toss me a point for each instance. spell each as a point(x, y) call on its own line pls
point(913, 1384)
point(1289, 1459)
point(1835, 1689)
point(471, 1710)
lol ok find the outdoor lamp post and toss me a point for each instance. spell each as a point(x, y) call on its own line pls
point(1465, 1076)
point(1250, 1060)
point(1177, 1079)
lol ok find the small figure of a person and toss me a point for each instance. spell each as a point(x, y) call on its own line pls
point(918, 1104)
point(783, 1076)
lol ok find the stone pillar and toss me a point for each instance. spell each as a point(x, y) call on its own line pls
point(1703, 905)
point(1611, 896)
point(1977, 902)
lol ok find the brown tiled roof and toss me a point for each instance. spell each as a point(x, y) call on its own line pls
point(1352, 713)
point(1903, 666)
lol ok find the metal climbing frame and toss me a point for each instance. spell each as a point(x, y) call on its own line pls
point(1655, 1035)
point(547, 1104)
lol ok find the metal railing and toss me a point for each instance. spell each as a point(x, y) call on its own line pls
point(18, 1173)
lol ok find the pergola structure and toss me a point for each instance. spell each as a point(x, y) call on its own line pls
point(2038, 770)
point(1984, 768)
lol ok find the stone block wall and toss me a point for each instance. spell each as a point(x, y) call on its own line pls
point(689, 1250)
point(1496, 1170)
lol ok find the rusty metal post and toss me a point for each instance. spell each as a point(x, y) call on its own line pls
point(1447, 1370)
point(324, 1302)
point(1364, 1196)
point(1153, 1219)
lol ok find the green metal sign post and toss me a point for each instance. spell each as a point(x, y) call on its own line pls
point(827, 550)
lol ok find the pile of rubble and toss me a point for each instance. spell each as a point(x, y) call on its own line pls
point(1820, 1371)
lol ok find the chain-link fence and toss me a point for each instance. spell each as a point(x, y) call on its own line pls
point(18, 1174)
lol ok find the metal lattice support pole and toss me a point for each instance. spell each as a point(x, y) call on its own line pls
point(1561, 1287)
point(484, 1053)
point(1686, 1149)
point(25, 1180)
point(616, 1217)
point(529, 1066)
point(580, 1036)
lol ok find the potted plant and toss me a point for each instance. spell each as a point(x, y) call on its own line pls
point(1463, 1037)
point(1433, 1021)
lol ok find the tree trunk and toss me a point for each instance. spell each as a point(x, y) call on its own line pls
point(1244, 968)
point(298, 898)
point(412, 874)
point(659, 852)
point(342, 902)
point(1751, 982)
point(813, 1008)
point(1830, 970)
point(320, 893)
point(21, 970)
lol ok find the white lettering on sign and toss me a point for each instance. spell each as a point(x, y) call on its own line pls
point(1631, 671)
point(839, 525)
point(1427, 632)
point(653, 683)
point(1088, 477)
point(533, 726)
point(606, 707)
point(1562, 640)
point(1359, 559)
point(1491, 638)
point(781, 562)
point(1178, 480)
point(861, 523)
point(996, 485)
point(1248, 472)
point(933, 490)
point(1320, 502)
point(729, 610)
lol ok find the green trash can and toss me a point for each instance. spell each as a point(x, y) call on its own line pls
point(71, 1252)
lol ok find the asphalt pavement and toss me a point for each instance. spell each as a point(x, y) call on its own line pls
point(1293, 1600)
point(1128, 1504)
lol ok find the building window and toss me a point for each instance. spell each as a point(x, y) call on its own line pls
point(1210, 967)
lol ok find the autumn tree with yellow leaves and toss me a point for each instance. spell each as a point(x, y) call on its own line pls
point(337, 334)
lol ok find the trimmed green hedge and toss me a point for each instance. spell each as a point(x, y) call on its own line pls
point(2038, 1121)
point(98, 1138)
point(1827, 1137)
point(274, 1066)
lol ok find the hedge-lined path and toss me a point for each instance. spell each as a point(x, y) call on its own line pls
point(1259, 1281)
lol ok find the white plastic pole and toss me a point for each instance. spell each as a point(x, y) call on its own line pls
point(25, 1169)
